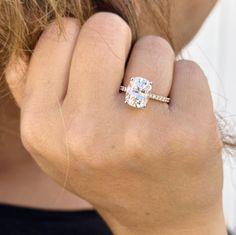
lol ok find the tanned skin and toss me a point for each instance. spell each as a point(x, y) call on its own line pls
point(20, 174)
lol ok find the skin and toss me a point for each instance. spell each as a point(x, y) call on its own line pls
point(103, 134)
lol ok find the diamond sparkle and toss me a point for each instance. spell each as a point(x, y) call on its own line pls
point(137, 92)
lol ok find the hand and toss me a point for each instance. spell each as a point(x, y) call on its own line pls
point(151, 171)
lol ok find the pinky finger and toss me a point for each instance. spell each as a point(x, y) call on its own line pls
point(190, 91)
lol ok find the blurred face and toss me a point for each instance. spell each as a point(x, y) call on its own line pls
point(186, 17)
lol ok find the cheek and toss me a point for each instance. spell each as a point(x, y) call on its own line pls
point(187, 18)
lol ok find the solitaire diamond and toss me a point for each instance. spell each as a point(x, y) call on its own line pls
point(137, 92)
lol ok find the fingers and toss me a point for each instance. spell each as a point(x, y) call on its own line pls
point(48, 73)
point(47, 78)
point(99, 60)
point(190, 92)
point(152, 58)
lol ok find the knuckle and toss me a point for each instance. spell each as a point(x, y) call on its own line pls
point(193, 138)
point(137, 140)
point(85, 154)
point(70, 22)
point(133, 142)
point(78, 145)
point(186, 140)
point(84, 145)
point(187, 64)
point(156, 44)
point(191, 68)
point(109, 24)
point(62, 30)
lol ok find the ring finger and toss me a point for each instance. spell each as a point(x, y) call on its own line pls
point(152, 58)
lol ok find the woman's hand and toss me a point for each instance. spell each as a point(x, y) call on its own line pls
point(151, 171)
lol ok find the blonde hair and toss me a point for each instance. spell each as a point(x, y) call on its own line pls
point(22, 22)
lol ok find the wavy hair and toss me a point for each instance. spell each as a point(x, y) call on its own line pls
point(23, 21)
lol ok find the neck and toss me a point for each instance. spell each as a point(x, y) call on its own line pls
point(9, 133)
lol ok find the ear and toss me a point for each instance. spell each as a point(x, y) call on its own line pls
point(15, 75)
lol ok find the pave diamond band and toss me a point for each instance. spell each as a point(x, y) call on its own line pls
point(150, 96)
point(138, 93)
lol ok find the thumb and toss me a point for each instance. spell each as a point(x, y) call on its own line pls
point(15, 75)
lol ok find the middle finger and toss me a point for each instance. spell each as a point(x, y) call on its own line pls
point(99, 60)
